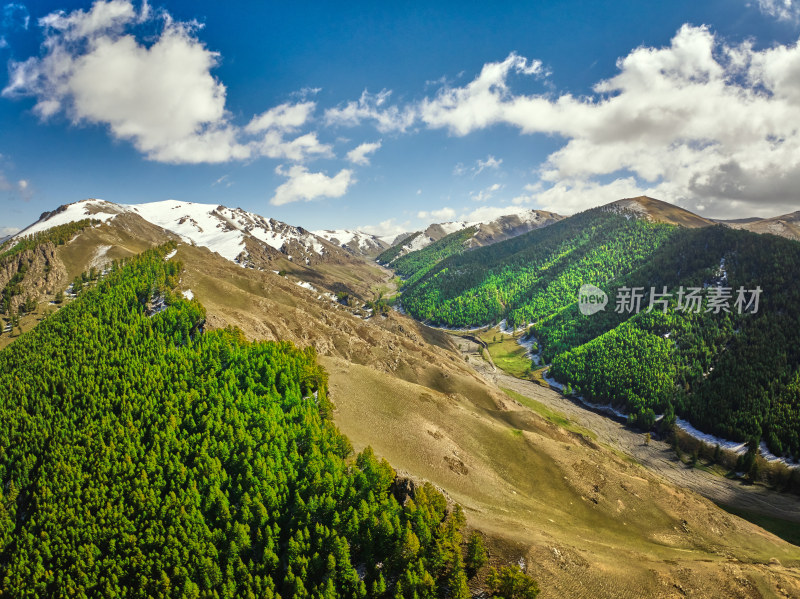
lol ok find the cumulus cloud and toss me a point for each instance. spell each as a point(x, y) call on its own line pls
point(783, 10)
point(490, 162)
point(698, 123)
point(374, 108)
point(6, 231)
point(305, 186)
point(388, 228)
point(160, 95)
point(163, 97)
point(480, 165)
point(284, 117)
point(360, 154)
point(480, 103)
point(443, 214)
point(485, 194)
point(486, 214)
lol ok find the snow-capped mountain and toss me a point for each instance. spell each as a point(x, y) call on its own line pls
point(354, 241)
point(233, 233)
point(486, 232)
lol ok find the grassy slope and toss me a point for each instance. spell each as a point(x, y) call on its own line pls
point(396, 388)
point(534, 484)
point(506, 353)
point(417, 404)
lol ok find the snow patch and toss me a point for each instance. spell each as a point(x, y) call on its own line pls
point(188, 294)
point(171, 255)
point(712, 440)
point(418, 243)
point(305, 285)
point(528, 343)
point(94, 209)
point(771, 457)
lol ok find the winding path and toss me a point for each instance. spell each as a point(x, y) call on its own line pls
point(658, 456)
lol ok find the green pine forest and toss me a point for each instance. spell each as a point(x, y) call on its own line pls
point(143, 457)
point(393, 252)
point(733, 375)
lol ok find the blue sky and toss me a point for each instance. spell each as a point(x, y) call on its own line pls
point(385, 117)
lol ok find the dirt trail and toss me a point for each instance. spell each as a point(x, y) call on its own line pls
point(658, 456)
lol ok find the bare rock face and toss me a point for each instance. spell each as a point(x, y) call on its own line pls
point(403, 489)
point(44, 273)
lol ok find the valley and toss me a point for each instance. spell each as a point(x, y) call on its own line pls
point(385, 301)
point(656, 455)
point(560, 489)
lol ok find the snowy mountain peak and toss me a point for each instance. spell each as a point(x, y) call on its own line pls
point(224, 230)
point(354, 241)
point(488, 230)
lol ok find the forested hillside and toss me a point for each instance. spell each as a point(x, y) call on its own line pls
point(140, 456)
point(413, 266)
point(389, 254)
point(735, 375)
point(58, 235)
point(528, 277)
point(732, 374)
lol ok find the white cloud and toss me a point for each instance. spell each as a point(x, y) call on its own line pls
point(15, 16)
point(442, 215)
point(284, 117)
point(486, 214)
point(223, 180)
point(163, 97)
point(20, 189)
point(480, 165)
point(481, 102)
point(359, 154)
point(783, 10)
point(387, 228)
point(6, 231)
point(273, 145)
point(304, 186)
point(160, 95)
point(372, 107)
point(698, 122)
point(486, 194)
point(490, 162)
point(567, 197)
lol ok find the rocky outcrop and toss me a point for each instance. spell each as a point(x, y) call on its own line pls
point(44, 274)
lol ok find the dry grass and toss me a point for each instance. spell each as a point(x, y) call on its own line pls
point(588, 523)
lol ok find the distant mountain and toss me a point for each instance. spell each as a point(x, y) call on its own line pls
point(657, 211)
point(235, 234)
point(787, 225)
point(481, 233)
point(357, 242)
point(399, 387)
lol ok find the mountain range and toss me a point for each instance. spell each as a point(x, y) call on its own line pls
point(537, 486)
